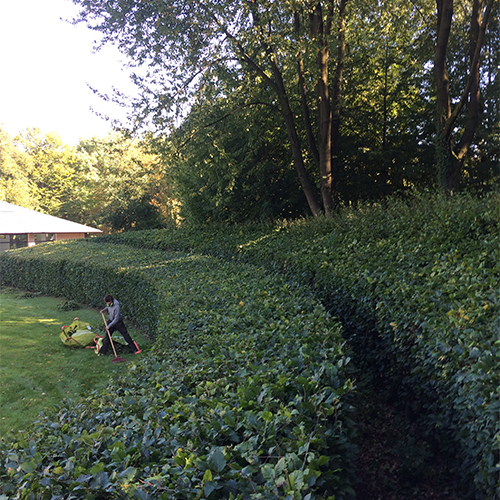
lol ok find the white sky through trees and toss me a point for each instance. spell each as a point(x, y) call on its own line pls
point(46, 64)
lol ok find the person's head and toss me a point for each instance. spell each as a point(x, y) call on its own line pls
point(109, 300)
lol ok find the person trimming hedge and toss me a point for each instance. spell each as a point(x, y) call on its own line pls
point(116, 323)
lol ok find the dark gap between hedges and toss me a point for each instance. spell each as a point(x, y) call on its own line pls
point(397, 460)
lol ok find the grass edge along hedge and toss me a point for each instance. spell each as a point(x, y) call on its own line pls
point(246, 393)
point(419, 282)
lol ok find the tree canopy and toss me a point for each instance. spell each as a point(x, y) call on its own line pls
point(15, 167)
point(353, 89)
point(111, 182)
point(277, 109)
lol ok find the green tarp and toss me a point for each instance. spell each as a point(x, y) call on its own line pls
point(78, 334)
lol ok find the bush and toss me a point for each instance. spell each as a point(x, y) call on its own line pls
point(416, 285)
point(68, 305)
point(246, 392)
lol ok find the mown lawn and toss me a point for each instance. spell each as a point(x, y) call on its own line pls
point(37, 371)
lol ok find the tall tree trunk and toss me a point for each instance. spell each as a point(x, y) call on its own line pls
point(336, 95)
point(306, 112)
point(278, 86)
point(293, 137)
point(449, 160)
point(313, 148)
point(443, 105)
point(474, 104)
point(324, 110)
point(321, 27)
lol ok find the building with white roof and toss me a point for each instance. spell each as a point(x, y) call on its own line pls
point(21, 227)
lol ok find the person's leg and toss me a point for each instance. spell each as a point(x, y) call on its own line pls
point(128, 339)
point(105, 341)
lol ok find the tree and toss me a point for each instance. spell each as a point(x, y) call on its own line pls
point(15, 166)
point(126, 184)
point(453, 139)
point(52, 169)
point(481, 168)
point(354, 89)
point(187, 45)
point(387, 125)
point(235, 167)
point(111, 182)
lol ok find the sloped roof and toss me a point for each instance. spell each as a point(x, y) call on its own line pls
point(20, 220)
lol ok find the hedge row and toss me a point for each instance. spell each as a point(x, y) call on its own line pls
point(417, 287)
point(85, 274)
point(245, 394)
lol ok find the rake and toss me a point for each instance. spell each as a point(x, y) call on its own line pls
point(116, 358)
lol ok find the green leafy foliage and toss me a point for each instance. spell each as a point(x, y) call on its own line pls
point(15, 183)
point(416, 285)
point(229, 169)
point(238, 66)
point(68, 305)
point(129, 186)
point(245, 394)
point(110, 182)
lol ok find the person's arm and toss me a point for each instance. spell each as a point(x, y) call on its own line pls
point(114, 314)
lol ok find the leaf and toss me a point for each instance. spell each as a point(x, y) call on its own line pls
point(27, 467)
point(216, 460)
point(267, 416)
point(208, 487)
point(97, 468)
point(128, 474)
point(296, 479)
point(59, 471)
point(280, 466)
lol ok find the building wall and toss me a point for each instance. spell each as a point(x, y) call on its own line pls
point(69, 236)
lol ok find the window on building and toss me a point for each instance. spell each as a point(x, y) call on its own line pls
point(18, 240)
point(41, 238)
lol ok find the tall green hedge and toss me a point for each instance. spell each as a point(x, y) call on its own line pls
point(416, 284)
point(86, 273)
point(246, 393)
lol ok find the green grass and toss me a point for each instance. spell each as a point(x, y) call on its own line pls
point(37, 371)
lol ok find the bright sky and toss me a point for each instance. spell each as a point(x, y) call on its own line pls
point(45, 66)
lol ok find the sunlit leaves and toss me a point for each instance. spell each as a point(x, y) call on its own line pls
point(16, 165)
point(129, 186)
point(52, 169)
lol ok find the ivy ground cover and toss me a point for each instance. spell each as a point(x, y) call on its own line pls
point(245, 393)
